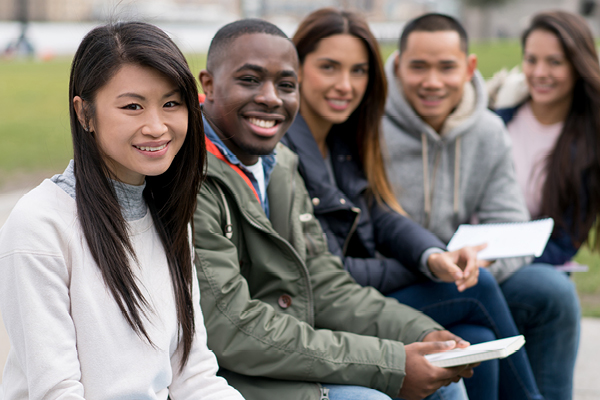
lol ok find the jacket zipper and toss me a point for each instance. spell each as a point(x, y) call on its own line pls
point(352, 229)
point(324, 393)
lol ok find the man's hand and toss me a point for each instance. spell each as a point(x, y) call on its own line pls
point(422, 378)
point(444, 336)
point(458, 266)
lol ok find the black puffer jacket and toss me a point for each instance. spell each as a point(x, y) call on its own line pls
point(379, 247)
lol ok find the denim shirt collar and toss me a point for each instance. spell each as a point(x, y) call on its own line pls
point(268, 161)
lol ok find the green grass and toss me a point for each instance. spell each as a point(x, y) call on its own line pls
point(34, 127)
point(34, 119)
point(34, 115)
point(492, 56)
point(588, 283)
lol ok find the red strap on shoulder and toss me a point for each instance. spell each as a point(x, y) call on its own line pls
point(214, 150)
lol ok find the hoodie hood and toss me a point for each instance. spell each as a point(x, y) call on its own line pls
point(460, 121)
point(507, 89)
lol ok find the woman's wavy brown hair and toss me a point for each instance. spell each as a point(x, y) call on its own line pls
point(171, 196)
point(571, 192)
point(366, 119)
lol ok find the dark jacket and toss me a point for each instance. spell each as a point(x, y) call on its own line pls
point(560, 247)
point(379, 247)
point(281, 313)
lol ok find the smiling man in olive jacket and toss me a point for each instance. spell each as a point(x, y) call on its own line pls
point(282, 315)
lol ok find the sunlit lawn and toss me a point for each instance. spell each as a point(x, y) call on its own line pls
point(34, 127)
point(34, 115)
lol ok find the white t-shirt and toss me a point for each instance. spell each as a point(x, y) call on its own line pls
point(68, 336)
point(532, 142)
point(259, 174)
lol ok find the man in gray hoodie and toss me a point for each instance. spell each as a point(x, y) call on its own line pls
point(449, 161)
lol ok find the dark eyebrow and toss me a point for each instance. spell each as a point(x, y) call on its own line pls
point(135, 95)
point(253, 67)
point(172, 92)
point(329, 60)
point(448, 62)
point(289, 74)
point(142, 98)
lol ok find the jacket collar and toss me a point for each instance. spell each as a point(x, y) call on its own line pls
point(348, 175)
point(268, 162)
point(280, 191)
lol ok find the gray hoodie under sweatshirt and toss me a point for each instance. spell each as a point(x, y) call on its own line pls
point(468, 175)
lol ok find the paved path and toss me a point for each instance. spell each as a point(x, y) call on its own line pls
point(587, 383)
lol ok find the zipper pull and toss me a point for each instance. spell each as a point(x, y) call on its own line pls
point(324, 394)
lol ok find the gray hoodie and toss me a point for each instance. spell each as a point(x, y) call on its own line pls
point(468, 174)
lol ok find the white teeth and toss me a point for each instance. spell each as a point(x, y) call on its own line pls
point(263, 123)
point(144, 148)
point(339, 103)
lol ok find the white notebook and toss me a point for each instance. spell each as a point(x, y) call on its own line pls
point(475, 353)
point(513, 239)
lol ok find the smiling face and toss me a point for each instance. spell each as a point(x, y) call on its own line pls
point(433, 71)
point(334, 78)
point(252, 95)
point(140, 122)
point(549, 74)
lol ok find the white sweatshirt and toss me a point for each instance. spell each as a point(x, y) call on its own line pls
point(68, 337)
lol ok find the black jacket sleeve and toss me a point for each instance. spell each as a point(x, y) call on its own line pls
point(383, 273)
point(401, 238)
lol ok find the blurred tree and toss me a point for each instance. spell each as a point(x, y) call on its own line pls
point(21, 46)
point(587, 7)
point(485, 10)
point(485, 3)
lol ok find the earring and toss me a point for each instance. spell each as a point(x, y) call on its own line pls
point(85, 128)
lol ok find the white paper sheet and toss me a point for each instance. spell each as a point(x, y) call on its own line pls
point(515, 239)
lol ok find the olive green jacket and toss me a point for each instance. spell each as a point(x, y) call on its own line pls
point(281, 313)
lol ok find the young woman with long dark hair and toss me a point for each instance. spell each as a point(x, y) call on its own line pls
point(97, 286)
point(551, 111)
point(336, 135)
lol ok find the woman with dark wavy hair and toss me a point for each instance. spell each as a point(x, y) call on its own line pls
point(337, 138)
point(551, 111)
point(97, 286)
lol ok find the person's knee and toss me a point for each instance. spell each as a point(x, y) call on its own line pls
point(545, 292)
point(559, 293)
point(486, 280)
point(473, 333)
point(486, 285)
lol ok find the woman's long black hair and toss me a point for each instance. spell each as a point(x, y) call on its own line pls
point(571, 193)
point(171, 197)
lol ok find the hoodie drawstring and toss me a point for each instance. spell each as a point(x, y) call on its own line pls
point(427, 193)
point(456, 179)
point(428, 187)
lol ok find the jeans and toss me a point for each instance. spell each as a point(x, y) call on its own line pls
point(478, 314)
point(454, 391)
point(546, 310)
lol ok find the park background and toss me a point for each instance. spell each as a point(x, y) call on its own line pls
point(39, 37)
